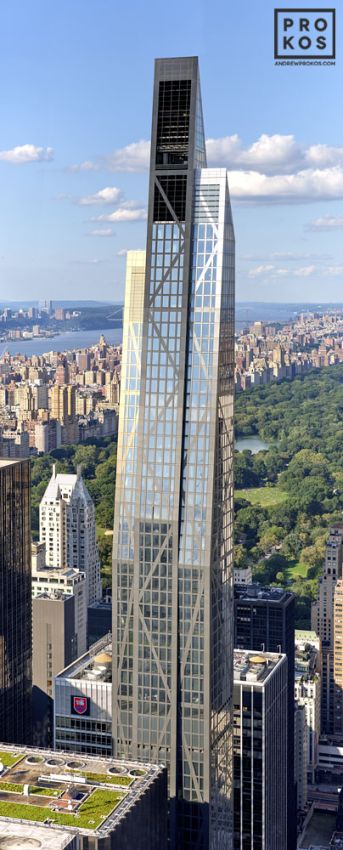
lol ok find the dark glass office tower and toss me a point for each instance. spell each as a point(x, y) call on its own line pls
point(260, 751)
point(264, 620)
point(172, 575)
point(15, 602)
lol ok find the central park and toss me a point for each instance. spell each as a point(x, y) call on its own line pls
point(287, 494)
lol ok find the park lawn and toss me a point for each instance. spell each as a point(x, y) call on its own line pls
point(296, 569)
point(266, 497)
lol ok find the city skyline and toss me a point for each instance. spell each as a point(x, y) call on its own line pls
point(74, 153)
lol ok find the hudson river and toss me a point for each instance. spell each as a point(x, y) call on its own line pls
point(63, 342)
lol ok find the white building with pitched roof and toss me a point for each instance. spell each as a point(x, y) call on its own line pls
point(67, 527)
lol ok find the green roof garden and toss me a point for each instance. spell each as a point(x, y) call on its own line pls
point(109, 778)
point(17, 788)
point(69, 790)
point(92, 812)
point(9, 759)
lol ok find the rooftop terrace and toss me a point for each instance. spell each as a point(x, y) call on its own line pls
point(254, 666)
point(94, 666)
point(60, 790)
point(258, 592)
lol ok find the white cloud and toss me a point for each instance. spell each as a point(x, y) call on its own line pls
point(27, 153)
point(224, 150)
point(273, 169)
point(271, 271)
point(306, 271)
point(109, 195)
point(131, 158)
point(334, 271)
point(270, 154)
point(276, 154)
point(102, 231)
point(327, 222)
point(91, 262)
point(287, 255)
point(88, 165)
point(260, 270)
point(324, 155)
point(126, 212)
point(123, 251)
point(307, 185)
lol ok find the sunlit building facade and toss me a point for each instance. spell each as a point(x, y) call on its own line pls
point(322, 622)
point(67, 528)
point(172, 575)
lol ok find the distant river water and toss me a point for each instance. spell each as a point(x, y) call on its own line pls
point(62, 342)
point(84, 339)
point(253, 444)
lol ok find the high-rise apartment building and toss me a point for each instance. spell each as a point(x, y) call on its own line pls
point(322, 619)
point(67, 527)
point(300, 755)
point(47, 435)
point(307, 695)
point(307, 692)
point(70, 582)
point(264, 620)
point(243, 576)
point(260, 751)
point(62, 402)
point(172, 575)
point(15, 602)
point(338, 658)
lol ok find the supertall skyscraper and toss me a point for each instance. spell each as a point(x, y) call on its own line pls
point(15, 602)
point(172, 575)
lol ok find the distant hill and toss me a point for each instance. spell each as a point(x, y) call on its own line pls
point(247, 312)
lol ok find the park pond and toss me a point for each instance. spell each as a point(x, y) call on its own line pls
point(253, 444)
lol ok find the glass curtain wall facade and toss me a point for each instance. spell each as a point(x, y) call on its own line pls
point(264, 619)
point(260, 752)
point(172, 578)
point(15, 602)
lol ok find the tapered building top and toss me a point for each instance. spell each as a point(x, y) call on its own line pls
point(178, 139)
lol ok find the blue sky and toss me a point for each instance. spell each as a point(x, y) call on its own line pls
point(75, 90)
